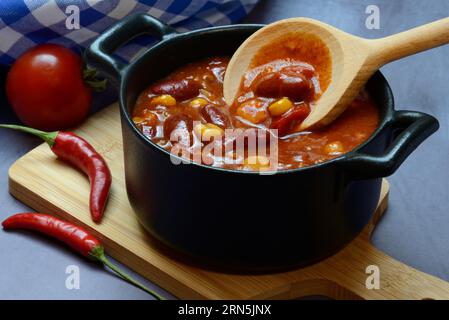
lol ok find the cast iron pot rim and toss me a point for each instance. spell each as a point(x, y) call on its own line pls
point(129, 70)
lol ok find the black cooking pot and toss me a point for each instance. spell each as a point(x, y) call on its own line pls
point(239, 219)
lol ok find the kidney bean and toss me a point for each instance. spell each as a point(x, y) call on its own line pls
point(183, 125)
point(285, 123)
point(294, 83)
point(180, 89)
point(214, 115)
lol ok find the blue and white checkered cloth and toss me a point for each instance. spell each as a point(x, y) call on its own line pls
point(76, 23)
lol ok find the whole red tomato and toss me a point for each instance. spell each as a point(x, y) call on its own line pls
point(45, 88)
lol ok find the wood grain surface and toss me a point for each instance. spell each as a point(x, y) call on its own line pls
point(48, 185)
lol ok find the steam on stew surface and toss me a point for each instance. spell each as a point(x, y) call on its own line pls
point(186, 111)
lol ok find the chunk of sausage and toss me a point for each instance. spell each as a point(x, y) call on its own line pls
point(181, 89)
point(253, 111)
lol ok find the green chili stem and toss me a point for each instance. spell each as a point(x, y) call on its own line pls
point(98, 254)
point(49, 137)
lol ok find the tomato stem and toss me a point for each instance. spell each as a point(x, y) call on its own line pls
point(97, 85)
point(90, 78)
point(48, 137)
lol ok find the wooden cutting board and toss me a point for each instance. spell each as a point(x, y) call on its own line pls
point(48, 185)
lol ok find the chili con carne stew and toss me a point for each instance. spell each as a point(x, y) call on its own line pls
point(274, 94)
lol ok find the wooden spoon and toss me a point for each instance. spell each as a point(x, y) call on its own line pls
point(354, 59)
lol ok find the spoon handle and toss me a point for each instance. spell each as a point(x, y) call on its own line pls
point(409, 42)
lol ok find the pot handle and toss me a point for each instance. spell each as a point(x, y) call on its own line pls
point(411, 129)
point(99, 53)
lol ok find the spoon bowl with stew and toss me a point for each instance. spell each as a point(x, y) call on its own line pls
point(344, 62)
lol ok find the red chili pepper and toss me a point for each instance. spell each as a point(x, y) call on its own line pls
point(75, 150)
point(285, 123)
point(72, 235)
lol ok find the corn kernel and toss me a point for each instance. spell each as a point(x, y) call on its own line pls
point(198, 129)
point(165, 100)
point(256, 163)
point(208, 131)
point(253, 111)
point(138, 120)
point(280, 106)
point(334, 148)
point(198, 103)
